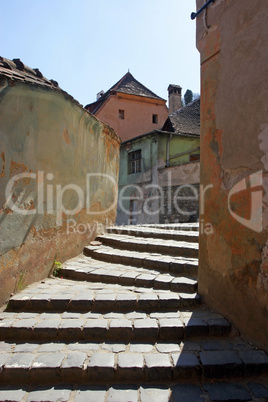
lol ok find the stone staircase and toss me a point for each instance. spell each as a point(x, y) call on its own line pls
point(123, 322)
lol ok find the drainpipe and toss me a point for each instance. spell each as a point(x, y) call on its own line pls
point(168, 148)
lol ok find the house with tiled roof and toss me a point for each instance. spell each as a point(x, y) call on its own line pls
point(130, 108)
point(159, 171)
point(185, 120)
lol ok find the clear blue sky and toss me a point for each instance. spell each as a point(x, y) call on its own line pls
point(88, 45)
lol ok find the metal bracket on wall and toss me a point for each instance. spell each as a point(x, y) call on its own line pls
point(194, 15)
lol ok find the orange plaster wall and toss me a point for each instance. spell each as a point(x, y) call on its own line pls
point(138, 115)
point(233, 274)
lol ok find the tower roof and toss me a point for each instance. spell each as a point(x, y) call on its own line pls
point(128, 85)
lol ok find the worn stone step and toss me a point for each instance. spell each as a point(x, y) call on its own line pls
point(239, 391)
point(181, 226)
point(191, 236)
point(88, 269)
point(150, 245)
point(57, 294)
point(165, 263)
point(119, 363)
point(113, 326)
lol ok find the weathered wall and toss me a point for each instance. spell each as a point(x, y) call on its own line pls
point(138, 115)
point(46, 134)
point(180, 204)
point(233, 271)
point(140, 187)
point(187, 173)
point(158, 193)
point(178, 144)
point(180, 186)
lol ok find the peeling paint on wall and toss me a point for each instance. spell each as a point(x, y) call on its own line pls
point(263, 137)
point(52, 164)
point(234, 149)
point(16, 168)
point(263, 275)
point(66, 136)
point(2, 170)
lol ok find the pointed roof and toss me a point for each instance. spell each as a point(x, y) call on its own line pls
point(127, 85)
point(185, 121)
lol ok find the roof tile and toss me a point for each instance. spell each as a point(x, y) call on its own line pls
point(185, 120)
point(127, 85)
point(16, 70)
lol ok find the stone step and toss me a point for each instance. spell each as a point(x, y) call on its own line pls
point(112, 326)
point(88, 269)
point(191, 236)
point(138, 363)
point(176, 265)
point(150, 245)
point(58, 295)
point(181, 226)
point(238, 391)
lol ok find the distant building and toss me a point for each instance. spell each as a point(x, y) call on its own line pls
point(130, 108)
point(159, 172)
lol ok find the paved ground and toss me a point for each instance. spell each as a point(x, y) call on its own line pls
point(118, 326)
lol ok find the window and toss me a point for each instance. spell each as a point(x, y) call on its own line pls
point(134, 162)
point(155, 118)
point(121, 114)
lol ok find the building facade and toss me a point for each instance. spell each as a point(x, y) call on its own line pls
point(159, 172)
point(130, 108)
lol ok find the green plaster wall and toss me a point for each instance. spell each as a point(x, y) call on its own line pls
point(178, 144)
point(46, 134)
point(149, 157)
point(138, 186)
point(146, 189)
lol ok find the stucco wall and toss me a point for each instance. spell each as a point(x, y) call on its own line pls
point(50, 142)
point(158, 193)
point(138, 115)
point(187, 173)
point(233, 269)
point(140, 187)
point(180, 186)
point(178, 144)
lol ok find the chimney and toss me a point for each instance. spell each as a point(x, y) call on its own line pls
point(99, 94)
point(174, 98)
